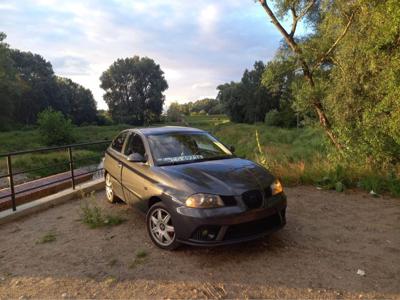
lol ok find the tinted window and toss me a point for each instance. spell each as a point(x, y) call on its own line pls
point(118, 142)
point(135, 145)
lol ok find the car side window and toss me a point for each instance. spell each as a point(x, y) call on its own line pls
point(118, 142)
point(135, 145)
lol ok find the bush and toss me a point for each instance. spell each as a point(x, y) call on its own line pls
point(272, 118)
point(54, 128)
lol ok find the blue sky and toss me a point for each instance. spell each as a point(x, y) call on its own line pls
point(198, 44)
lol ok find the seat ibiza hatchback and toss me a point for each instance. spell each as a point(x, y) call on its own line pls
point(194, 189)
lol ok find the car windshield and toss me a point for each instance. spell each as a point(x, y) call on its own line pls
point(180, 148)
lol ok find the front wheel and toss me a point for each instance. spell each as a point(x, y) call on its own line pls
point(160, 227)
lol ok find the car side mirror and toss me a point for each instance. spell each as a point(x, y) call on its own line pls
point(136, 157)
point(232, 149)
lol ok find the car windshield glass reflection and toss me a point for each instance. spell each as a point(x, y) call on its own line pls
point(178, 148)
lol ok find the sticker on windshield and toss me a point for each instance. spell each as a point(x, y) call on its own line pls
point(180, 158)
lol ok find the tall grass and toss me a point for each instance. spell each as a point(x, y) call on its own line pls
point(300, 156)
point(296, 155)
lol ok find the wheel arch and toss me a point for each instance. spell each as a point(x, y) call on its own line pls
point(153, 200)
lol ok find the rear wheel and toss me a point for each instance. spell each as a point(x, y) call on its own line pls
point(109, 190)
point(160, 227)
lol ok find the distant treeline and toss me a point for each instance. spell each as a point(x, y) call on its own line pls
point(28, 85)
point(263, 94)
point(206, 106)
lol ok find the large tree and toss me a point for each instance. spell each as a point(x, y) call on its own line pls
point(311, 59)
point(39, 86)
point(134, 90)
point(10, 84)
point(247, 101)
point(80, 105)
point(363, 87)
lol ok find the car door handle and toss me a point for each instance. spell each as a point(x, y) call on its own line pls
point(119, 165)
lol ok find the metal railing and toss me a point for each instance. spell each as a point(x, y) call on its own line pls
point(71, 163)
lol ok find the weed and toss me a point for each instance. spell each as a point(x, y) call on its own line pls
point(94, 216)
point(47, 238)
point(141, 254)
point(140, 258)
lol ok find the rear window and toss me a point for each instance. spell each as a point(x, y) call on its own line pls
point(118, 142)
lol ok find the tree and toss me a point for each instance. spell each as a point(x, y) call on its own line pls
point(363, 87)
point(79, 104)
point(39, 86)
point(10, 85)
point(229, 94)
point(308, 59)
point(247, 101)
point(134, 90)
point(174, 112)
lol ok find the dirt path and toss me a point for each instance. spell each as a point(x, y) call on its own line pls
point(328, 237)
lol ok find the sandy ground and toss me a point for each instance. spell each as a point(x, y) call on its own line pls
point(328, 237)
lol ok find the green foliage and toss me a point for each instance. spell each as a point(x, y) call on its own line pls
point(28, 86)
point(363, 93)
point(174, 112)
point(141, 254)
point(140, 258)
point(247, 101)
point(79, 104)
point(47, 238)
point(94, 217)
point(10, 85)
point(272, 118)
point(134, 90)
point(54, 128)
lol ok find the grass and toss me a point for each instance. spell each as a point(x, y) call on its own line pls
point(296, 155)
point(94, 216)
point(140, 258)
point(47, 238)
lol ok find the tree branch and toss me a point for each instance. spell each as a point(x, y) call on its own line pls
point(339, 38)
point(306, 10)
point(289, 39)
point(295, 20)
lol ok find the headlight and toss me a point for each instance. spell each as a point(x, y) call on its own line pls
point(276, 187)
point(204, 201)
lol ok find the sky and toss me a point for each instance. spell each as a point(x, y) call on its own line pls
point(198, 44)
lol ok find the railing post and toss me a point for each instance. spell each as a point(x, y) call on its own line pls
point(71, 167)
point(11, 182)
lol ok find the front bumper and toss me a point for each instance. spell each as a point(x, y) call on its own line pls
point(228, 225)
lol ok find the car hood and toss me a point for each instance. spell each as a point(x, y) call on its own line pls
point(223, 177)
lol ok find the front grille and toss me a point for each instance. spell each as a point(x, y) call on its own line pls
point(252, 228)
point(229, 200)
point(206, 233)
point(252, 199)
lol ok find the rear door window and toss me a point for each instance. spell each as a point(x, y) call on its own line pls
point(118, 142)
point(135, 145)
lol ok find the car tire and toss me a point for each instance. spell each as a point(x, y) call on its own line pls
point(109, 190)
point(160, 227)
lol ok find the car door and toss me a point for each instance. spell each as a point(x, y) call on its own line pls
point(113, 163)
point(134, 182)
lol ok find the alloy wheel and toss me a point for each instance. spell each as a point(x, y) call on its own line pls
point(161, 228)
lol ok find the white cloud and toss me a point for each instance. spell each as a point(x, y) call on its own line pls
point(208, 18)
point(198, 44)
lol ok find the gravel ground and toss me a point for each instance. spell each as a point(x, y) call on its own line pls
point(328, 238)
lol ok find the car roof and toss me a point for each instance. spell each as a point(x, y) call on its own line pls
point(167, 129)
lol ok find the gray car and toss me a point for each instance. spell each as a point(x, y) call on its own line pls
point(193, 187)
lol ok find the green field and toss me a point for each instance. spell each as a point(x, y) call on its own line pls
point(297, 156)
